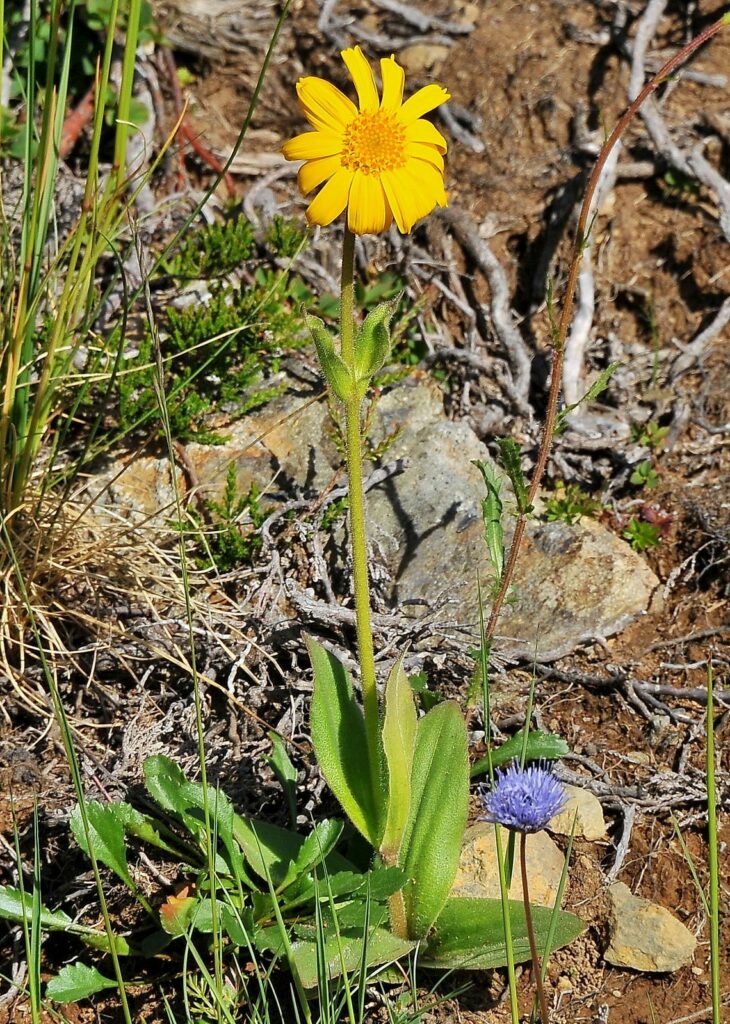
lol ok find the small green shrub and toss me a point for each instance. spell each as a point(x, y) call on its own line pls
point(335, 511)
point(644, 475)
point(649, 435)
point(642, 535)
point(285, 237)
point(569, 503)
point(678, 186)
point(216, 354)
point(214, 250)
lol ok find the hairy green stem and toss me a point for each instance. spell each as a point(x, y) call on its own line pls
point(358, 537)
point(544, 1015)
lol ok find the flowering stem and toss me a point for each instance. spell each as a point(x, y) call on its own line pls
point(353, 419)
point(567, 311)
point(544, 1015)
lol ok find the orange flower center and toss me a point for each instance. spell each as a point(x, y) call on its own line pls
point(373, 143)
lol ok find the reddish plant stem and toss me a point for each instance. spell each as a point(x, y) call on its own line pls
point(559, 344)
point(545, 1016)
point(75, 123)
point(187, 133)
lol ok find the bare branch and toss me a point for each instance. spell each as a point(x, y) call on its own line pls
point(501, 312)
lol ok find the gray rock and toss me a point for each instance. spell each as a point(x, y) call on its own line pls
point(284, 445)
point(573, 583)
point(645, 936)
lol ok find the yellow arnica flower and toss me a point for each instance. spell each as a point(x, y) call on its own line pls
point(381, 161)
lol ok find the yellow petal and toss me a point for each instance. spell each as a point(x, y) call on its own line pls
point(413, 191)
point(311, 146)
point(329, 203)
point(396, 193)
point(314, 172)
point(424, 131)
point(393, 78)
point(430, 184)
point(424, 152)
point(324, 106)
point(362, 76)
point(368, 211)
point(427, 98)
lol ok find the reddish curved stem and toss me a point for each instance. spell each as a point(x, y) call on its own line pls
point(557, 363)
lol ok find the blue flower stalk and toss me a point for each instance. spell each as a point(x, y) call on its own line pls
point(524, 800)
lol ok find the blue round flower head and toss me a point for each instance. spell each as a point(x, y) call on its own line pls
point(523, 799)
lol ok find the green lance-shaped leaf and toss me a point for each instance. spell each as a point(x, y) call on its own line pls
point(439, 807)
point(102, 942)
point(142, 826)
point(372, 345)
point(77, 981)
point(316, 847)
point(174, 792)
point(268, 849)
point(511, 461)
point(598, 386)
point(399, 738)
point(347, 954)
point(280, 763)
point(539, 745)
point(340, 743)
point(334, 368)
point(17, 906)
point(492, 515)
point(469, 934)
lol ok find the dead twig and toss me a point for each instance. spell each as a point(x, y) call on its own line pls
point(501, 314)
point(628, 815)
point(448, 114)
point(618, 678)
point(423, 22)
point(580, 332)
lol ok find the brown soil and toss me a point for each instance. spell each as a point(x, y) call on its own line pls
point(524, 73)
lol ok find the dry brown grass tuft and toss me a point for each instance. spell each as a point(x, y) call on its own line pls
point(84, 588)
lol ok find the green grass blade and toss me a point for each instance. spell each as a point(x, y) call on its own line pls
point(712, 842)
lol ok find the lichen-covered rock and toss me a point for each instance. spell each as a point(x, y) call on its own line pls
point(645, 936)
point(583, 807)
point(573, 583)
point(478, 873)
